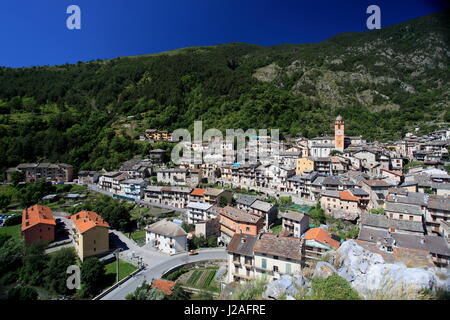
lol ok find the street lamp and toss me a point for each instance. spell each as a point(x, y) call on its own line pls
point(116, 252)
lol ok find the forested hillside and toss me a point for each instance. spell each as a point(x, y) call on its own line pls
point(382, 82)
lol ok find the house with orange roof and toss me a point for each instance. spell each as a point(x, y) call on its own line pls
point(233, 220)
point(319, 241)
point(197, 195)
point(341, 204)
point(394, 175)
point(90, 234)
point(38, 224)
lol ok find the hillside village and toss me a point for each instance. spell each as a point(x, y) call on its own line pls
point(280, 214)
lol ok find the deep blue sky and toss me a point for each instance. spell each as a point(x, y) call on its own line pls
point(33, 32)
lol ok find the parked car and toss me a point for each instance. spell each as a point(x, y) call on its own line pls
point(193, 252)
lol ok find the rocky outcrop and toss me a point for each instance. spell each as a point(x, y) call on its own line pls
point(323, 270)
point(373, 278)
point(267, 73)
point(287, 286)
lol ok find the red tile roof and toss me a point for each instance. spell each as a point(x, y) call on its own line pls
point(398, 174)
point(347, 196)
point(86, 220)
point(198, 192)
point(321, 236)
point(35, 215)
point(164, 285)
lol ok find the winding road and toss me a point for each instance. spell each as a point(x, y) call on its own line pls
point(159, 265)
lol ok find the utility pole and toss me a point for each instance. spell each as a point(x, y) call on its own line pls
point(116, 252)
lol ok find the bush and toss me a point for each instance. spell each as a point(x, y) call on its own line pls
point(12, 221)
point(332, 288)
point(22, 293)
point(250, 290)
point(176, 274)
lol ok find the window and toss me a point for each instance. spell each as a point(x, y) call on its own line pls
point(288, 268)
point(401, 217)
point(94, 241)
point(275, 268)
point(263, 263)
point(275, 257)
point(411, 218)
point(247, 229)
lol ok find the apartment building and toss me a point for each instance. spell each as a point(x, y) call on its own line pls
point(341, 204)
point(167, 237)
point(265, 210)
point(177, 197)
point(90, 234)
point(59, 172)
point(233, 221)
point(132, 188)
point(173, 177)
point(38, 224)
point(265, 255)
point(198, 212)
point(294, 223)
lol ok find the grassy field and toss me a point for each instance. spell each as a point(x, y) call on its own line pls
point(124, 269)
point(13, 231)
point(139, 237)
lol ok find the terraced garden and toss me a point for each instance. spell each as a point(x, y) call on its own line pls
point(200, 279)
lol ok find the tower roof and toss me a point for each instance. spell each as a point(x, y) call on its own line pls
point(339, 118)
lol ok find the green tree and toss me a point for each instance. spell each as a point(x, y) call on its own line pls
point(146, 292)
point(178, 293)
point(92, 277)
point(5, 200)
point(56, 272)
point(317, 215)
point(17, 177)
point(22, 293)
point(223, 202)
point(34, 264)
point(14, 220)
point(11, 254)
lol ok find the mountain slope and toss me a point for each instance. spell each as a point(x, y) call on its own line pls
point(383, 82)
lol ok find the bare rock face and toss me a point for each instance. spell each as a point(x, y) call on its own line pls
point(323, 270)
point(368, 274)
point(287, 285)
point(268, 73)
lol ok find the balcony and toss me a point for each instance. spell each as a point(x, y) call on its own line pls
point(243, 276)
point(263, 270)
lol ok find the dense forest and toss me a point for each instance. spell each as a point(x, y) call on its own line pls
point(383, 82)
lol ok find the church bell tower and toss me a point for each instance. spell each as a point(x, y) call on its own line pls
point(339, 135)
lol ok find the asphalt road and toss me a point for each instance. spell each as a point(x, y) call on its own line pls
point(156, 271)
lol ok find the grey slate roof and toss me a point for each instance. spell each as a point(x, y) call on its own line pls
point(403, 208)
point(383, 222)
point(358, 192)
point(245, 200)
point(294, 215)
point(242, 244)
point(261, 206)
point(287, 247)
point(433, 244)
point(166, 228)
